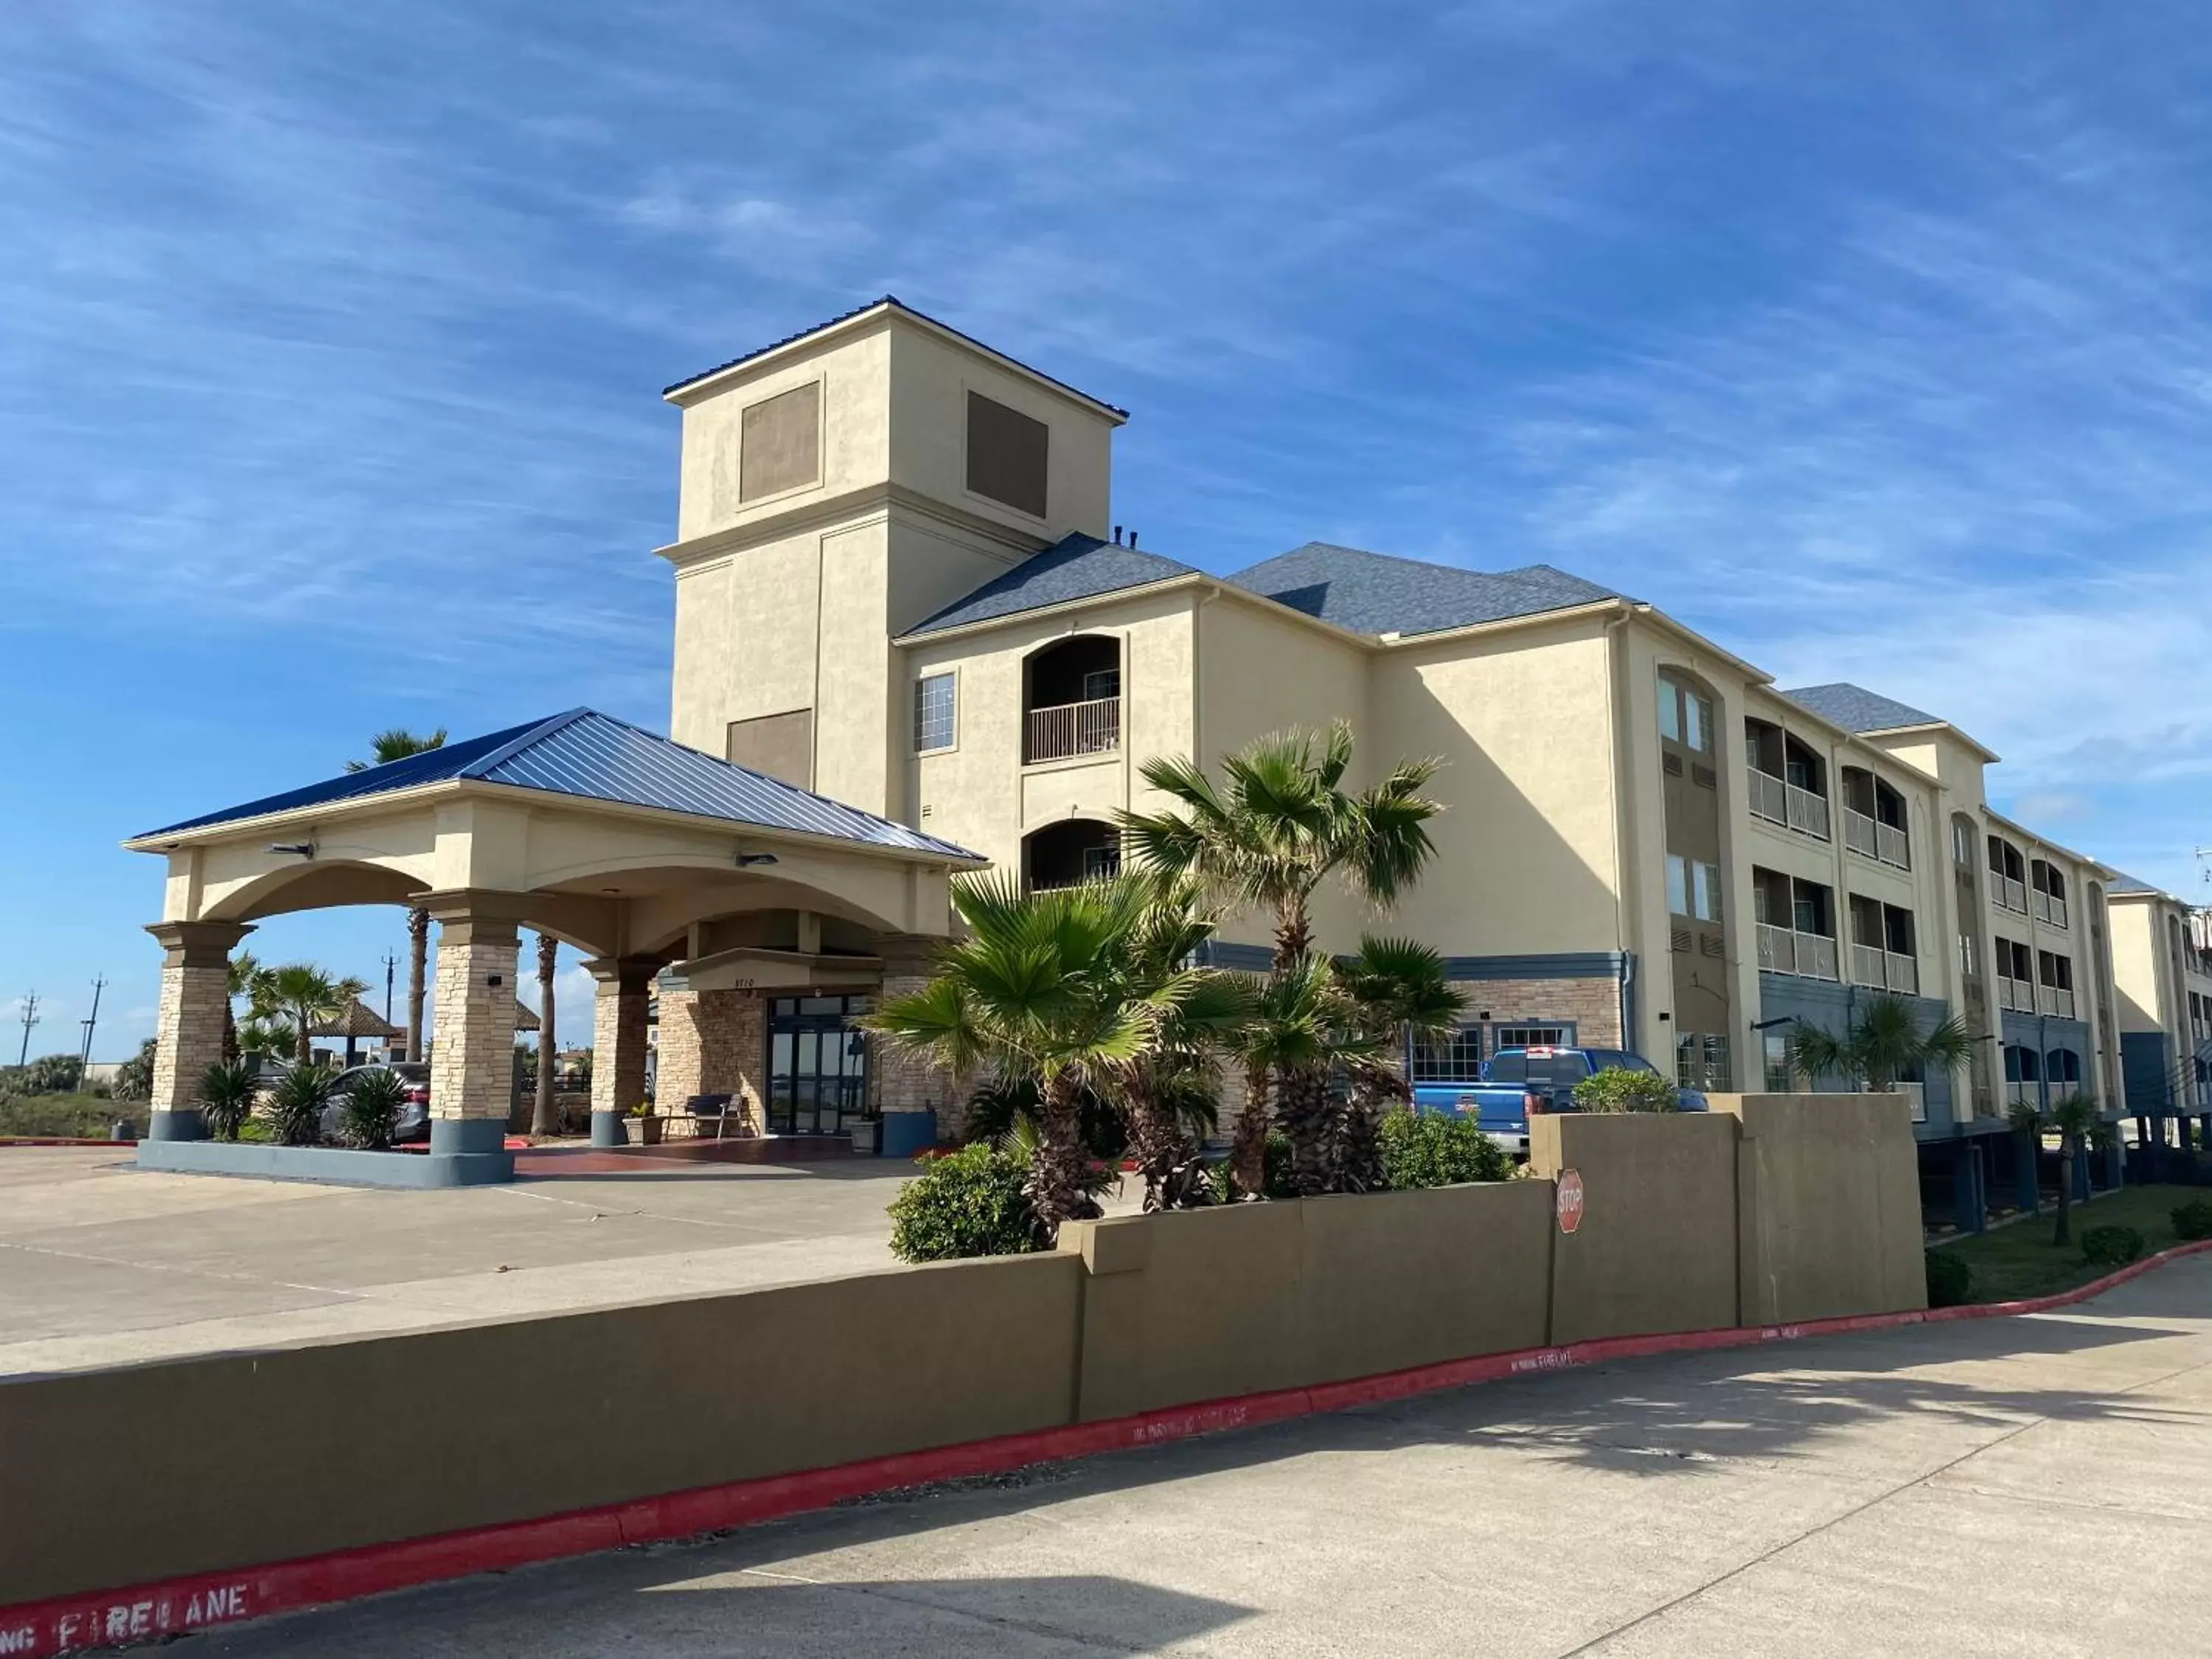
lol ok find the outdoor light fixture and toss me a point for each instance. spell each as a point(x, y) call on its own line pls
point(1779, 1019)
point(306, 849)
point(746, 860)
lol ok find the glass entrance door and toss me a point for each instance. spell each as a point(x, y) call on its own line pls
point(818, 1065)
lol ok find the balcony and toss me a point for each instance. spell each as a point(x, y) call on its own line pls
point(1859, 833)
point(1808, 812)
point(1783, 951)
point(1770, 797)
point(2050, 907)
point(1069, 729)
point(2009, 891)
point(1916, 1095)
point(2057, 1000)
point(2016, 994)
point(1885, 969)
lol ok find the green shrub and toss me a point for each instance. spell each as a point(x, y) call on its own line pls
point(71, 1116)
point(1950, 1281)
point(966, 1203)
point(295, 1105)
point(2193, 1220)
point(371, 1106)
point(226, 1091)
point(2110, 1247)
point(1432, 1148)
point(134, 1077)
point(1617, 1089)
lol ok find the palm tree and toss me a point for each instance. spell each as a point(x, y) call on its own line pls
point(1880, 1045)
point(542, 1120)
point(396, 745)
point(243, 967)
point(1043, 987)
point(1300, 1029)
point(2080, 1126)
point(1283, 824)
point(1397, 991)
point(418, 962)
point(1160, 1087)
point(306, 996)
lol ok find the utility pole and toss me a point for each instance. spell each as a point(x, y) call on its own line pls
point(84, 1058)
point(30, 1019)
point(390, 962)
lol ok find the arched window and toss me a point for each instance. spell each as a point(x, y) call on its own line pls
point(1071, 698)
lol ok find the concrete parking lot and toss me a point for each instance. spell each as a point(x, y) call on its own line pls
point(101, 1263)
point(2005, 1487)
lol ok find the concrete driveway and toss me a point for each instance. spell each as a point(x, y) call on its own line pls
point(102, 1263)
point(1999, 1487)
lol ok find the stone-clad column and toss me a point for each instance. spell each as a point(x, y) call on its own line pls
point(917, 1097)
point(472, 1039)
point(618, 1042)
point(189, 1029)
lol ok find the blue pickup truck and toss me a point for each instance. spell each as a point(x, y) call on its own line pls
point(1516, 1082)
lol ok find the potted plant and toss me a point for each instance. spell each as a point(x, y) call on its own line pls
point(648, 1125)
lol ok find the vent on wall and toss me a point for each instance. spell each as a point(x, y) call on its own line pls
point(1007, 455)
point(1711, 944)
point(1705, 777)
point(1678, 940)
point(780, 443)
point(1671, 764)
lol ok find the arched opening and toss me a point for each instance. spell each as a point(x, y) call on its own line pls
point(1075, 850)
point(1071, 698)
point(1876, 822)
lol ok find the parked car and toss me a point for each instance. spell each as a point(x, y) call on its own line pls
point(413, 1121)
point(1517, 1082)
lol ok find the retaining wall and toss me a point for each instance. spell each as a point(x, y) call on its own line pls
point(160, 1470)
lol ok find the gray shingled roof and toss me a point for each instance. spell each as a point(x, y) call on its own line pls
point(891, 300)
point(2124, 883)
point(1858, 709)
point(1077, 567)
point(1376, 593)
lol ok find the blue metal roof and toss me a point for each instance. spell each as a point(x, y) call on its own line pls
point(1377, 593)
point(1074, 567)
point(1858, 709)
point(595, 756)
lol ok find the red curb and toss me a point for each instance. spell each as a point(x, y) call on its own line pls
point(65, 1140)
point(42, 1629)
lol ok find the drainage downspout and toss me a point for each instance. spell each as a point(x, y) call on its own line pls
point(1624, 820)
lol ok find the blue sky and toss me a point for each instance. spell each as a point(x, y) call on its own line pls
point(1875, 341)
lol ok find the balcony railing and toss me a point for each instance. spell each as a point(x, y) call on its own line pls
point(2009, 891)
point(1783, 951)
point(1807, 812)
point(1916, 1094)
point(2016, 994)
point(1885, 969)
point(1075, 728)
point(2057, 1001)
point(1893, 846)
point(2050, 907)
point(1858, 832)
point(1770, 797)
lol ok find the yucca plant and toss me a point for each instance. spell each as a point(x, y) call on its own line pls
point(225, 1098)
point(296, 1105)
point(372, 1109)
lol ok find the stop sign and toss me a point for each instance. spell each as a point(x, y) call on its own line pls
point(1569, 1204)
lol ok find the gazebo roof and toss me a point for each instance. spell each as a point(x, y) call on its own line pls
point(525, 1020)
point(594, 756)
point(358, 1021)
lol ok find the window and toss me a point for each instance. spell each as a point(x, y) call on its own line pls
point(1970, 956)
point(1701, 1061)
point(1781, 1078)
point(1456, 1058)
point(1102, 682)
point(934, 712)
point(1705, 891)
point(1962, 843)
point(1100, 862)
point(1677, 885)
point(1684, 716)
point(1532, 1036)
